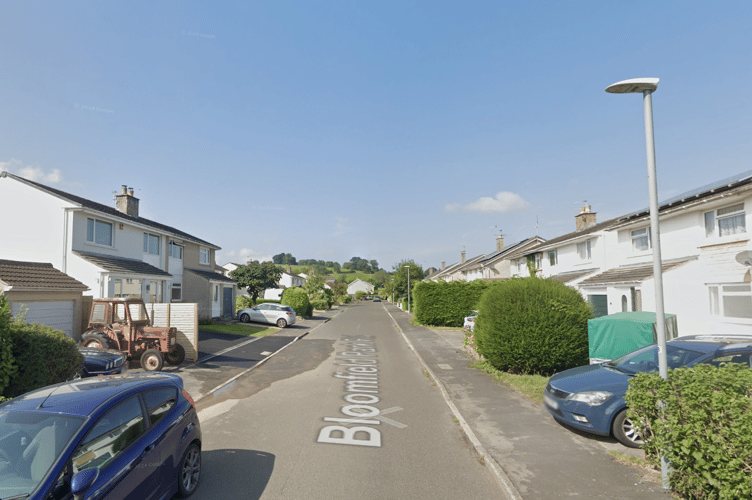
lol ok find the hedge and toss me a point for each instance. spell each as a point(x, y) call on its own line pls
point(297, 298)
point(532, 326)
point(446, 304)
point(704, 427)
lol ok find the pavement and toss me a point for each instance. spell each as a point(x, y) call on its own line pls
point(530, 454)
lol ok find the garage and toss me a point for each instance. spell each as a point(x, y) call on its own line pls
point(55, 314)
point(44, 294)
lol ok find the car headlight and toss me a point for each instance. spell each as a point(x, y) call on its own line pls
point(591, 398)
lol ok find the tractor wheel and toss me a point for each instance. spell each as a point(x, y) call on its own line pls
point(151, 360)
point(176, 355)
point(95, 339)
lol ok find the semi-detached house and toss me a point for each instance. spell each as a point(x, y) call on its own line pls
point(111, 250)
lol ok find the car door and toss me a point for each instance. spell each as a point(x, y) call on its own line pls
point(261, 312)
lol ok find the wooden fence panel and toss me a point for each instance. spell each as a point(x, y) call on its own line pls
point(182, 316)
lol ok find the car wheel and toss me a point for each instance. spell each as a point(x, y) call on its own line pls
point(244, 318)
point(96, 340)
point(281, 323)
point(176, 355)
point(151, 360)
point(625, 430)
point(190, 471)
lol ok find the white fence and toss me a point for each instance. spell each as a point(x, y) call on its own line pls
point(184, 317)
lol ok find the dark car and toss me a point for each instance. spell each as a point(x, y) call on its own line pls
point(114, 437)
point(591, 398)
point(102, 362)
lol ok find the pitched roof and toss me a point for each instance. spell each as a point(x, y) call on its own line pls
point(210, 275)
point(36, 275)
point(572, 275)
point(630, 274)
point(110, 211)
point(506, 251)
point(122, 265)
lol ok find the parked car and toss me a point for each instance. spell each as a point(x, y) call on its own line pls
point(377, 299)
point(124, 436)
point(275, 314)
point(102, 362)
point(469, 323)
point(591, 398)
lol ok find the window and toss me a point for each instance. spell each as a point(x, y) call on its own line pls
point(99, 232)
point(726, 221)
point(109, 437)
point(99, 313)
point(538, 257)
point(177, 291)
point(583, 250)
point(553, 258)
point(159, 402)
point(151, 244)
point(216, 293)
point(176, 251)
point(641, 240)
point(731, 301)
point(203, 256)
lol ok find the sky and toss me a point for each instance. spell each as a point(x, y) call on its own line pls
point(385, 130)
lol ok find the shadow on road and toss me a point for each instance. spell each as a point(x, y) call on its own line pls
point(232, 473)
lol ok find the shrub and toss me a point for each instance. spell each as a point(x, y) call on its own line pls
point(446, 304)
point(242, 302)
point(704, 427)
point(532, 326)
point(359, 294)
point(44, 356)
point(320, 303)
point(7, 363)
point(296, 298)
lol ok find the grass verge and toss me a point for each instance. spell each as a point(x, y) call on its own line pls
point(530, 386)
point(239, 329)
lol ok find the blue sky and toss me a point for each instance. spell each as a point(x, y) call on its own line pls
point(386, 130)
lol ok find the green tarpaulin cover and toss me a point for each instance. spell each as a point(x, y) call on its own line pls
point(618, 334)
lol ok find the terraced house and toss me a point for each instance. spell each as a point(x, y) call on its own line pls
point(112, 250)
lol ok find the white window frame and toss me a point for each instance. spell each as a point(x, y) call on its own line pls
point(719, 294)
point(91, 231)
point(176, 287)
point(216, 294)
point(149, 239)
point(172, 247)
point(641, 237)
point(553, 257)
point(716, 221)
point(203, 256)
point(585, 251)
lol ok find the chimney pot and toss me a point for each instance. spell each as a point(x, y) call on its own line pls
point(125, 189)
point(130, 191)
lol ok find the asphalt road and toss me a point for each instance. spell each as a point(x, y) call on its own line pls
point(345, 412)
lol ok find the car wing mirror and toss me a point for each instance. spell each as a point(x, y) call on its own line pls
point(82, 481)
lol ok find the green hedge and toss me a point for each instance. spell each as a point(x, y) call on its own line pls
point(7, 362)
point(705, 427)
point(446, 304)
point(532, 326)
point(43, 355)
point(297, 298)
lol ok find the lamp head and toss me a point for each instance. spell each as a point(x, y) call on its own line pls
point(633, 86)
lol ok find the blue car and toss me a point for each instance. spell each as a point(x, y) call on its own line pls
point(113, 437)
point(102, 362)
point(591, 398)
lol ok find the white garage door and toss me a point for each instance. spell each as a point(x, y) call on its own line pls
point(57, 314)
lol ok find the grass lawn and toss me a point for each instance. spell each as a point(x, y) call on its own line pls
point(239, 329)
point(530, 386)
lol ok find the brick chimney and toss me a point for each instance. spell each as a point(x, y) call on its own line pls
point(585, 219)
point(463, 256)
point(443, 265)
point(499, 242)
point(127, 203)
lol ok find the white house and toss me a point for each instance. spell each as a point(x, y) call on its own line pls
point(359, 286)
point(287, 280)
point(497, 265)
point(111, 250)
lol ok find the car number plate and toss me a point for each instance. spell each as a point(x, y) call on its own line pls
point(550, 402)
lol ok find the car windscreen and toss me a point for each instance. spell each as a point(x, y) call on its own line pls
point(30, 444)
point(646, 359)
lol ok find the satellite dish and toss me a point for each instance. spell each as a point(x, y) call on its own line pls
point(744, 258)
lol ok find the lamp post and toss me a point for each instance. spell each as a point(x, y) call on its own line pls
point(408, 288)
point(646, 87)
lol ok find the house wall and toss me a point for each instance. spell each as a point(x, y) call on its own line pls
point(33, 229)
point(359, 286)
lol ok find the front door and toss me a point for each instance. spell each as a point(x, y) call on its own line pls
point(227, 306)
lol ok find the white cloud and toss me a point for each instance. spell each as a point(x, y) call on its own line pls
point(33, 173)
point(504, 202)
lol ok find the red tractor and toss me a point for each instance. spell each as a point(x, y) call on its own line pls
point(124, 324)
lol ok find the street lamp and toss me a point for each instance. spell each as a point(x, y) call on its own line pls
point(408, 288)
point(646, 87)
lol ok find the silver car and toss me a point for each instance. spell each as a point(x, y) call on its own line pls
point(275, 314)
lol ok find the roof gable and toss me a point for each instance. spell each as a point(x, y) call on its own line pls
point(19, 274)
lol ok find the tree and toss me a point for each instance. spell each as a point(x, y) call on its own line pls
point(256, 277)
point(314, 284)
point(374, 265)
point(399, 279)
point(380, 278)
